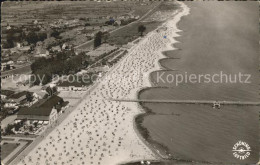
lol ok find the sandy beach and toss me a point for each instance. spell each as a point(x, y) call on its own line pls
point(100, 131)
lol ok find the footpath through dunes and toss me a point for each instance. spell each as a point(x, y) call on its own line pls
point(216, 36)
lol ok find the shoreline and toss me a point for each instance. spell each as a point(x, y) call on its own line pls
point(157, 107)
point(112, 122)
point(160, 150)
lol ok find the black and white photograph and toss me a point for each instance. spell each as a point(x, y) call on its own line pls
point(130, 82)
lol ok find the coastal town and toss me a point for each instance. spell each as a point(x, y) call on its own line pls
point(78, 83)
point(73, 44)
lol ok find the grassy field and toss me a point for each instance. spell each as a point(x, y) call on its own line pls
point(7, 148)
point(130, 33)
point(17, 12)
point(126, 34)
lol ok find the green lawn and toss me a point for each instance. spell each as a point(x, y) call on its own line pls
point(130, 33)
point(7, 148)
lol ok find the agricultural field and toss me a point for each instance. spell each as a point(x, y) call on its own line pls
point(130, 33)
point(25, 12)
point(151, 22)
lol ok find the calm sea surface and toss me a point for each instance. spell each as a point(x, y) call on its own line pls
point(217, 37)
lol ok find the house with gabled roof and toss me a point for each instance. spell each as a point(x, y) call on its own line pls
point(44, 110)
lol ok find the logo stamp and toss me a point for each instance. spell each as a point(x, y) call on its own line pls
point(241, 150)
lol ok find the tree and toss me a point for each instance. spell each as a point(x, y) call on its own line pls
point(42, 36)
point(39, 64)
point(8, 67)
point(141, 29)
point(55, 34)
point(86, 64)
point(49, 90)
point(30, 128)
point(42, 77)
point(17, 127)
point(35, 124)
point(54, 89)
point(45, 96)
point(116, 24)
point(110, 22)
point(32, 38)
point(104, 62)
point(29, 97)
point(97, 39)
point(8, 129)
point(8, 44)
point(106, 36)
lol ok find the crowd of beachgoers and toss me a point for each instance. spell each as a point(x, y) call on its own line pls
point(102, 131)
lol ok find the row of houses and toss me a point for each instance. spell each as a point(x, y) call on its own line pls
point(7, 65)
point(65, 23)
point(39, 108)
point(42, 51)
point(18, 49)
point(18, 99)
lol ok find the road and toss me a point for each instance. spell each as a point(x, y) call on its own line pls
point(21, 70)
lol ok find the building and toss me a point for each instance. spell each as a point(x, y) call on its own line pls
point(40, 94)
point(8, 65)
point(35, 22)
point(5, 52)
point(22, 59)
point(117, 22)
point(11, 104)
point(44, 110)
point(3, 97)
point(13, 50)
point(18, 45)
point(40, 52)
point(75, 83)
point(7, 93)
point(25, 49)
point(25, 43)
point(65, 46)
point(8, 27)
point(56, 49)
point(75, 86)
point(18, 97)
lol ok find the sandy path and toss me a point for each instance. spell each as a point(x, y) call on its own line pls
point(100, 131)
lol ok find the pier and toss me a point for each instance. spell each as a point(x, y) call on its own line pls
point(245, 103)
